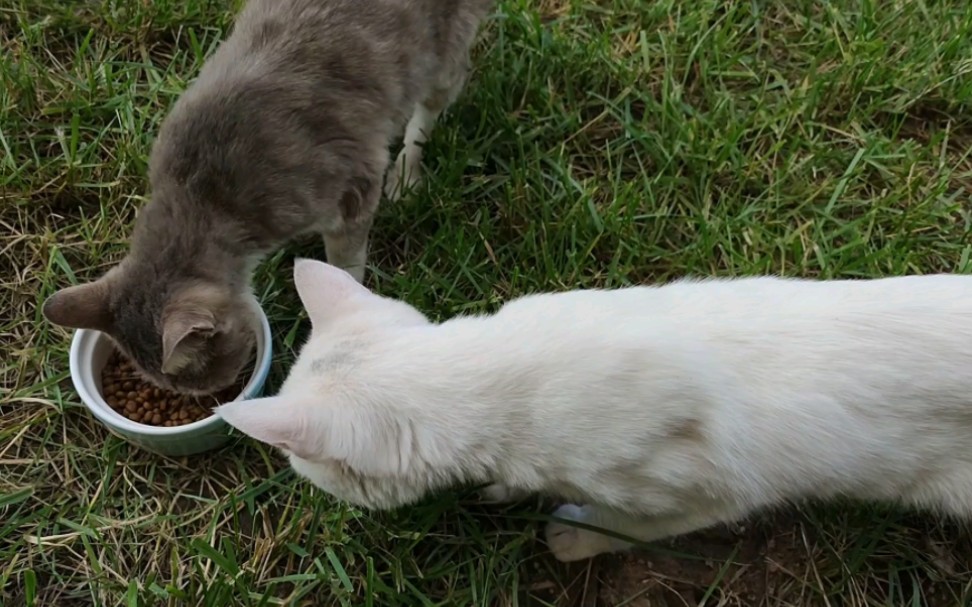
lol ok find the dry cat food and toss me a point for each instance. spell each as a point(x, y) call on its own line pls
point(128, 394)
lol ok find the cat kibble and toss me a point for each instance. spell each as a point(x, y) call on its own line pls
point(144, 403)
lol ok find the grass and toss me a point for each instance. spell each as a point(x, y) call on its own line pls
point(598, 144)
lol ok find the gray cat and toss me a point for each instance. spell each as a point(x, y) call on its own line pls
point(285, 131)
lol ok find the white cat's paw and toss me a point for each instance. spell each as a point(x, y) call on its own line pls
point(568, 543)
point(498, 493)
point(403, 176)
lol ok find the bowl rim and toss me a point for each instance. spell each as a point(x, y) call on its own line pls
point(82, 374)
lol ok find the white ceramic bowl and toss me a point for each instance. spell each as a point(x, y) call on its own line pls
point(89, 354)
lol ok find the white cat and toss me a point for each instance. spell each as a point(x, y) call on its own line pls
point(661, 409)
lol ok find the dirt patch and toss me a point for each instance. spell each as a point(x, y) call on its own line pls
point(788, 559)
point(750, 565)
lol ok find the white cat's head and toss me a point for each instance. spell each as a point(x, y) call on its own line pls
point(341, 430)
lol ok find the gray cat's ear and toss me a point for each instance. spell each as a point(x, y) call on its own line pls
point(325, 290)
point(80, 307)
point(184, 333)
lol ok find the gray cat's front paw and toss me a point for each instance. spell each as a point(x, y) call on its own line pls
point(403, 176)
point(568, 543)
point(356, 272)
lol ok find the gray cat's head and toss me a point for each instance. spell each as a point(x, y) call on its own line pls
point(190, 335)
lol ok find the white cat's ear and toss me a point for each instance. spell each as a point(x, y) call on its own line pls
point(365, 440)
point(80, 307)
point(272, 420)
point(326, 290)
point(370, 442)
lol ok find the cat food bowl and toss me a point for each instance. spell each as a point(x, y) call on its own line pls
point(90, 353)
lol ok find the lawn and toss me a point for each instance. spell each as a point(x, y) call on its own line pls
point(598, 144)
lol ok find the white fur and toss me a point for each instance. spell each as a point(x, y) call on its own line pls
point(662, 409)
